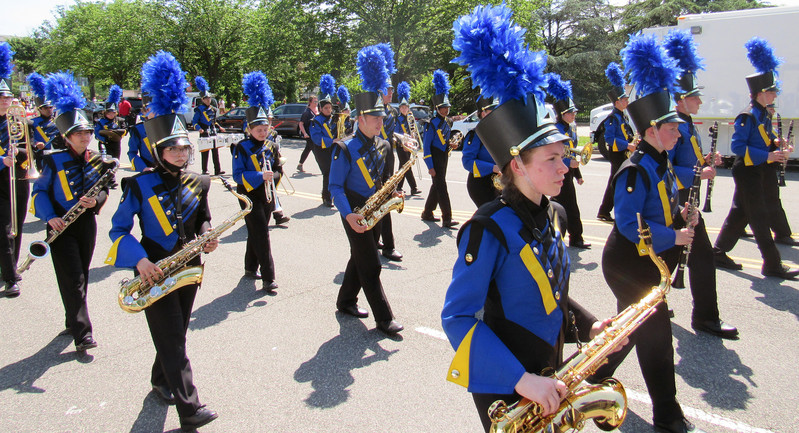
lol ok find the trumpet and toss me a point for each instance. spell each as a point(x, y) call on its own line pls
point(17, 126)
point(455, 138)
point(583, 153)
point(269, 186)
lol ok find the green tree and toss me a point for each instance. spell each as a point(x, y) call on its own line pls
point(27, 50)
point(640, 14)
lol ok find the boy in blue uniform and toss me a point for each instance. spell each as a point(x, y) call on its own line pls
point(478, 162)
point(322, 133)
point(436, 153)
point(140, 150)
point(204, 120)
point(107, 131)
point(403, 127)
point(755, 146)
point(64, 182)
point(172, 208)
point(43, 129)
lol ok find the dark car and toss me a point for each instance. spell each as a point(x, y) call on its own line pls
point(286, 118)
point(94, 110)
point(233, 120)
point(420, 112)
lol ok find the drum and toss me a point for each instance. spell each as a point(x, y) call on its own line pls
point(205, 144)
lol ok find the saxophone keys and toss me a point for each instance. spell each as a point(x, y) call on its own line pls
point(170, 282)
point(156, 291)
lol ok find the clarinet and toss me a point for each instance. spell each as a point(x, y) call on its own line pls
point(693, 203)
point(784, 146)
point(714, 138)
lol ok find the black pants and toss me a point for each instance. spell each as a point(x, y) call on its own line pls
point(363, 271)
point(403, 156)
point(387, 232)
point(481, 189)
point(749, 207)
point(10, 246)
point(771, 193)
point(259, 248)
point(616, 160)
point(112, 148)
point(483, 401)
point(631, 277)
point(72, 256)
point(308, 148)
point(168, 320)
point(323, 159)
point(439, 196)
point(568, 199)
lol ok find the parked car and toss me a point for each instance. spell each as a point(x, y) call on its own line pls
point(470, 122)
point(233, 120)
point(598, 115)
point(94, 110)
point(286, 118)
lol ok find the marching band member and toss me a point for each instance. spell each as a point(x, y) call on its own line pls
point(436, 153)
point(344, 103)
point(618, 136)
point(564, 107)
point(107, 131)
point(478, 161)
point(43, 129)
point(512, 263)
point(64, 181)
point(646, 185)
point(172, 207)
point(205, 121)
point(140, 150)
point(10, 244)
point(305, 129)
point(403, 127)
point(357, 171)
point(755, 145)
point(686, 154)
point(322, 134)
point(253, 176)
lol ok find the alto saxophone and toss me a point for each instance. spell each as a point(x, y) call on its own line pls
point(41, 249)
point(136, 295)
point(383, 201)
point(605, 403)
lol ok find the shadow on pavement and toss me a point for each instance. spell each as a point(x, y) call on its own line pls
point(21, 375)
point(634, 423)
point(235, 301)
point(314, 211)
point(432, 235)
point(330, 370)
point(152, 415)
point(778, 294)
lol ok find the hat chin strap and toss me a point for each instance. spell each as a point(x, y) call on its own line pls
point(527, 178)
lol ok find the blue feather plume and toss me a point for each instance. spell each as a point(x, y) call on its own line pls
point(615, 75)
point(201, 84)
point(559, 89)
point(650, 67)
point(62, 89)
point(372, 69)
point(114, 94)
point(761, 55)
point(165, 82)
point(492, 48)
point(441, 82)
point(343, 95)
point(256, 87)
point(404, 91)
point(37, 83)
point(388, 54)
point(327, 85)
point(681, 47)
point(6, 55)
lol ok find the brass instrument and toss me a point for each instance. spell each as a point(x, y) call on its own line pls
point(17, 125)
point(41, 249)
point(583, 154)
point(136, 295)
point(383, 201)
point(605, 403)
point(269, 186)
point(455, 138)
point(414, 133)
point(341, 126)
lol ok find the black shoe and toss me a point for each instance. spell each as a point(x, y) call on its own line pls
point(416, 191)
point(270, 286)
point(390, 327)
point(355, 311)
point(671, 313)
point(282, 219)
point(255, 275)
point(746, 234)
point(581, 244)
point(430, 217)
point(392, 255)
point(786, 240)
point(677, 426)
point(605, 217)
point(200, 418)
point(449, 224)
point(86, 344)
point(217, 173)
point(722, 260)
point(163, 392)
point(327, 202)
point(380, 245)
point(717, 328)
point(783, 272)
point(205, 172)
point(12, 289)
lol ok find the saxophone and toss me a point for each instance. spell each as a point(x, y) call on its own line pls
point(41, 249)
point(383, 201)
point(605, 403)
point(136, 295)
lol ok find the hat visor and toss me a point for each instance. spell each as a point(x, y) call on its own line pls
point(5, 93)
point(378, 112)
point(444, 105)
point(671, 117)
point(551, 137)
point(79, 128)
point(257, 122)
point(175, 141)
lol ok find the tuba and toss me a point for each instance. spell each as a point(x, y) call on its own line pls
point(605, 403)
point(17, 125)
point(136, 295)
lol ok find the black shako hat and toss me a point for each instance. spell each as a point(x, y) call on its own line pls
point(687, 86)
point(167, 130)
point(761, 82)
point(562, 106)
point(5, 87)
point(42, 102)
point(72, 121)
point(486, 103)
point(515, 126)
point(617, 93)
point(257, 115)
point(440, 100)
point(369, 103)
point(653, 109)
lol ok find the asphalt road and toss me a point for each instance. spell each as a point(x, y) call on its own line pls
point(288, 362)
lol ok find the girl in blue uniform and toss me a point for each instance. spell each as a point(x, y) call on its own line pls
point(402, 126)
point(323, 132)
point(478, 162)
point(107, 131)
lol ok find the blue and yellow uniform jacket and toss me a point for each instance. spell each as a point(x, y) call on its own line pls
point(140, 151)
point(322, 131)
point(476, 159)
point(618, 132)
point(65, 178)
point(752, 139)
point(101, 124)
point(44, 130)
point(248, 166)
point(204, 119)
point(357, 170)
point(686, 153)
point(512, 264)
point(389, 124)
point(152, 196)
point(22, 154)
point(571, 132)
point(436, 134)
point(646, 184)
point(401, 125)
